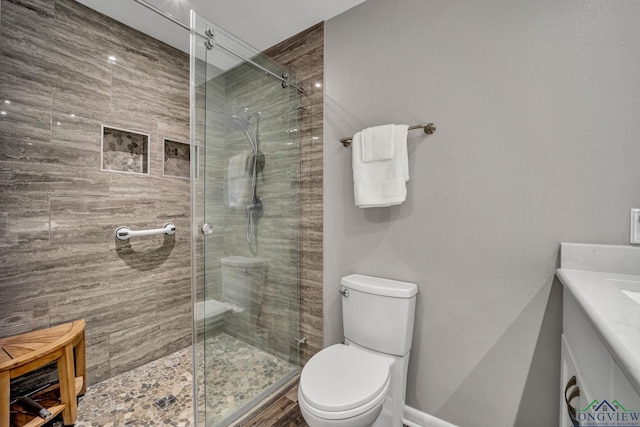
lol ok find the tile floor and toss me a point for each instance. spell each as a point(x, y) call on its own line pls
point(232, 382)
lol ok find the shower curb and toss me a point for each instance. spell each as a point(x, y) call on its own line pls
point(279, 406)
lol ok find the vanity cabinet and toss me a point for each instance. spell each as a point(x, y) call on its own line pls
point(585, 357)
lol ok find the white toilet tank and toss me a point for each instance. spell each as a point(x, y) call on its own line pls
point(378, 313)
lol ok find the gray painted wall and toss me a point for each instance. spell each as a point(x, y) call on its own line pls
point(537, 107)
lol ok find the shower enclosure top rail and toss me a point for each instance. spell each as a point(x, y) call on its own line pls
point(284, 78)
point(209, 37)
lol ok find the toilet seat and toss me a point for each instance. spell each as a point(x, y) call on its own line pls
point(343, 382)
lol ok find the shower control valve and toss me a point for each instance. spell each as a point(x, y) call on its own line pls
point(256, 209)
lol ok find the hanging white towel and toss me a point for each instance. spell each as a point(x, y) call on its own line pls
point(380, 183)
point(238, 180)
point(377, 143)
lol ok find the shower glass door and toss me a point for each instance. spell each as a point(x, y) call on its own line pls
point(246, 224)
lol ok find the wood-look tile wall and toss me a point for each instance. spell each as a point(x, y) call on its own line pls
point(58, 210)
point(303, 54)
point(277, 232)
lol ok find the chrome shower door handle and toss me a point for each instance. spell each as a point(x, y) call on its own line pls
point(344, 292)
point(207, 229)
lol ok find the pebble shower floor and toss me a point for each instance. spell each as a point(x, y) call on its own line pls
point(236, 373)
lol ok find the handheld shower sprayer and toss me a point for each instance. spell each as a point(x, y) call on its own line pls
point(242, 122)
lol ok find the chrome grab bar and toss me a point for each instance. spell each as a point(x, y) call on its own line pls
point(124, 233)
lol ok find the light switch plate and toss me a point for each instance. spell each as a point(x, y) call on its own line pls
point(634, 234)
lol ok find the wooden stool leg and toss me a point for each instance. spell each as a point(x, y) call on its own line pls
point(66, 375)
point(81, 364)
point(5, 415)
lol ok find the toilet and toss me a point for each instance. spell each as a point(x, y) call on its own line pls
point(362, 383)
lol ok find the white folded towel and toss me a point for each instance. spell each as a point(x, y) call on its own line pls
point(377, 143)
point(238, 180)
point(380, 183)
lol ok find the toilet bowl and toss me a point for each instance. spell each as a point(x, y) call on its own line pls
point(343, 386)
point(362, 383)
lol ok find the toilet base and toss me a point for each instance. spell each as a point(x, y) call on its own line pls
point(366, 419)
point(393, 409)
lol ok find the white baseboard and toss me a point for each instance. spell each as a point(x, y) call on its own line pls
point(415, 418)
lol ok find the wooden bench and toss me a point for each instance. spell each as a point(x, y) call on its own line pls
point(27, 352)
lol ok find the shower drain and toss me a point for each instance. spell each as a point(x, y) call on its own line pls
point(165, 402)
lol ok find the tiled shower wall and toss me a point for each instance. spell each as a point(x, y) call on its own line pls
point(277, 241)
point(58, 210)
point(303, 54)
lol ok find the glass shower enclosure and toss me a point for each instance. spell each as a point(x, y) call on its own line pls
point(246, 224)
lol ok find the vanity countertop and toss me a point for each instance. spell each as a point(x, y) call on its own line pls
point(597, 276)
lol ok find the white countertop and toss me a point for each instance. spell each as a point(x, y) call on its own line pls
point(613, 315)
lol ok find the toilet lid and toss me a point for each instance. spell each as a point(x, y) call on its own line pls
point(341, 377)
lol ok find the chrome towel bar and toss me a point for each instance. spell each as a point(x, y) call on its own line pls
point(429, 128)
point(124, 233)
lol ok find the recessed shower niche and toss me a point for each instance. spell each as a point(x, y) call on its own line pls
point(177, 158)
point(125, 151)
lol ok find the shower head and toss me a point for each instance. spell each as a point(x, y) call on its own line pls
point(239, 122)
point(242, 120)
